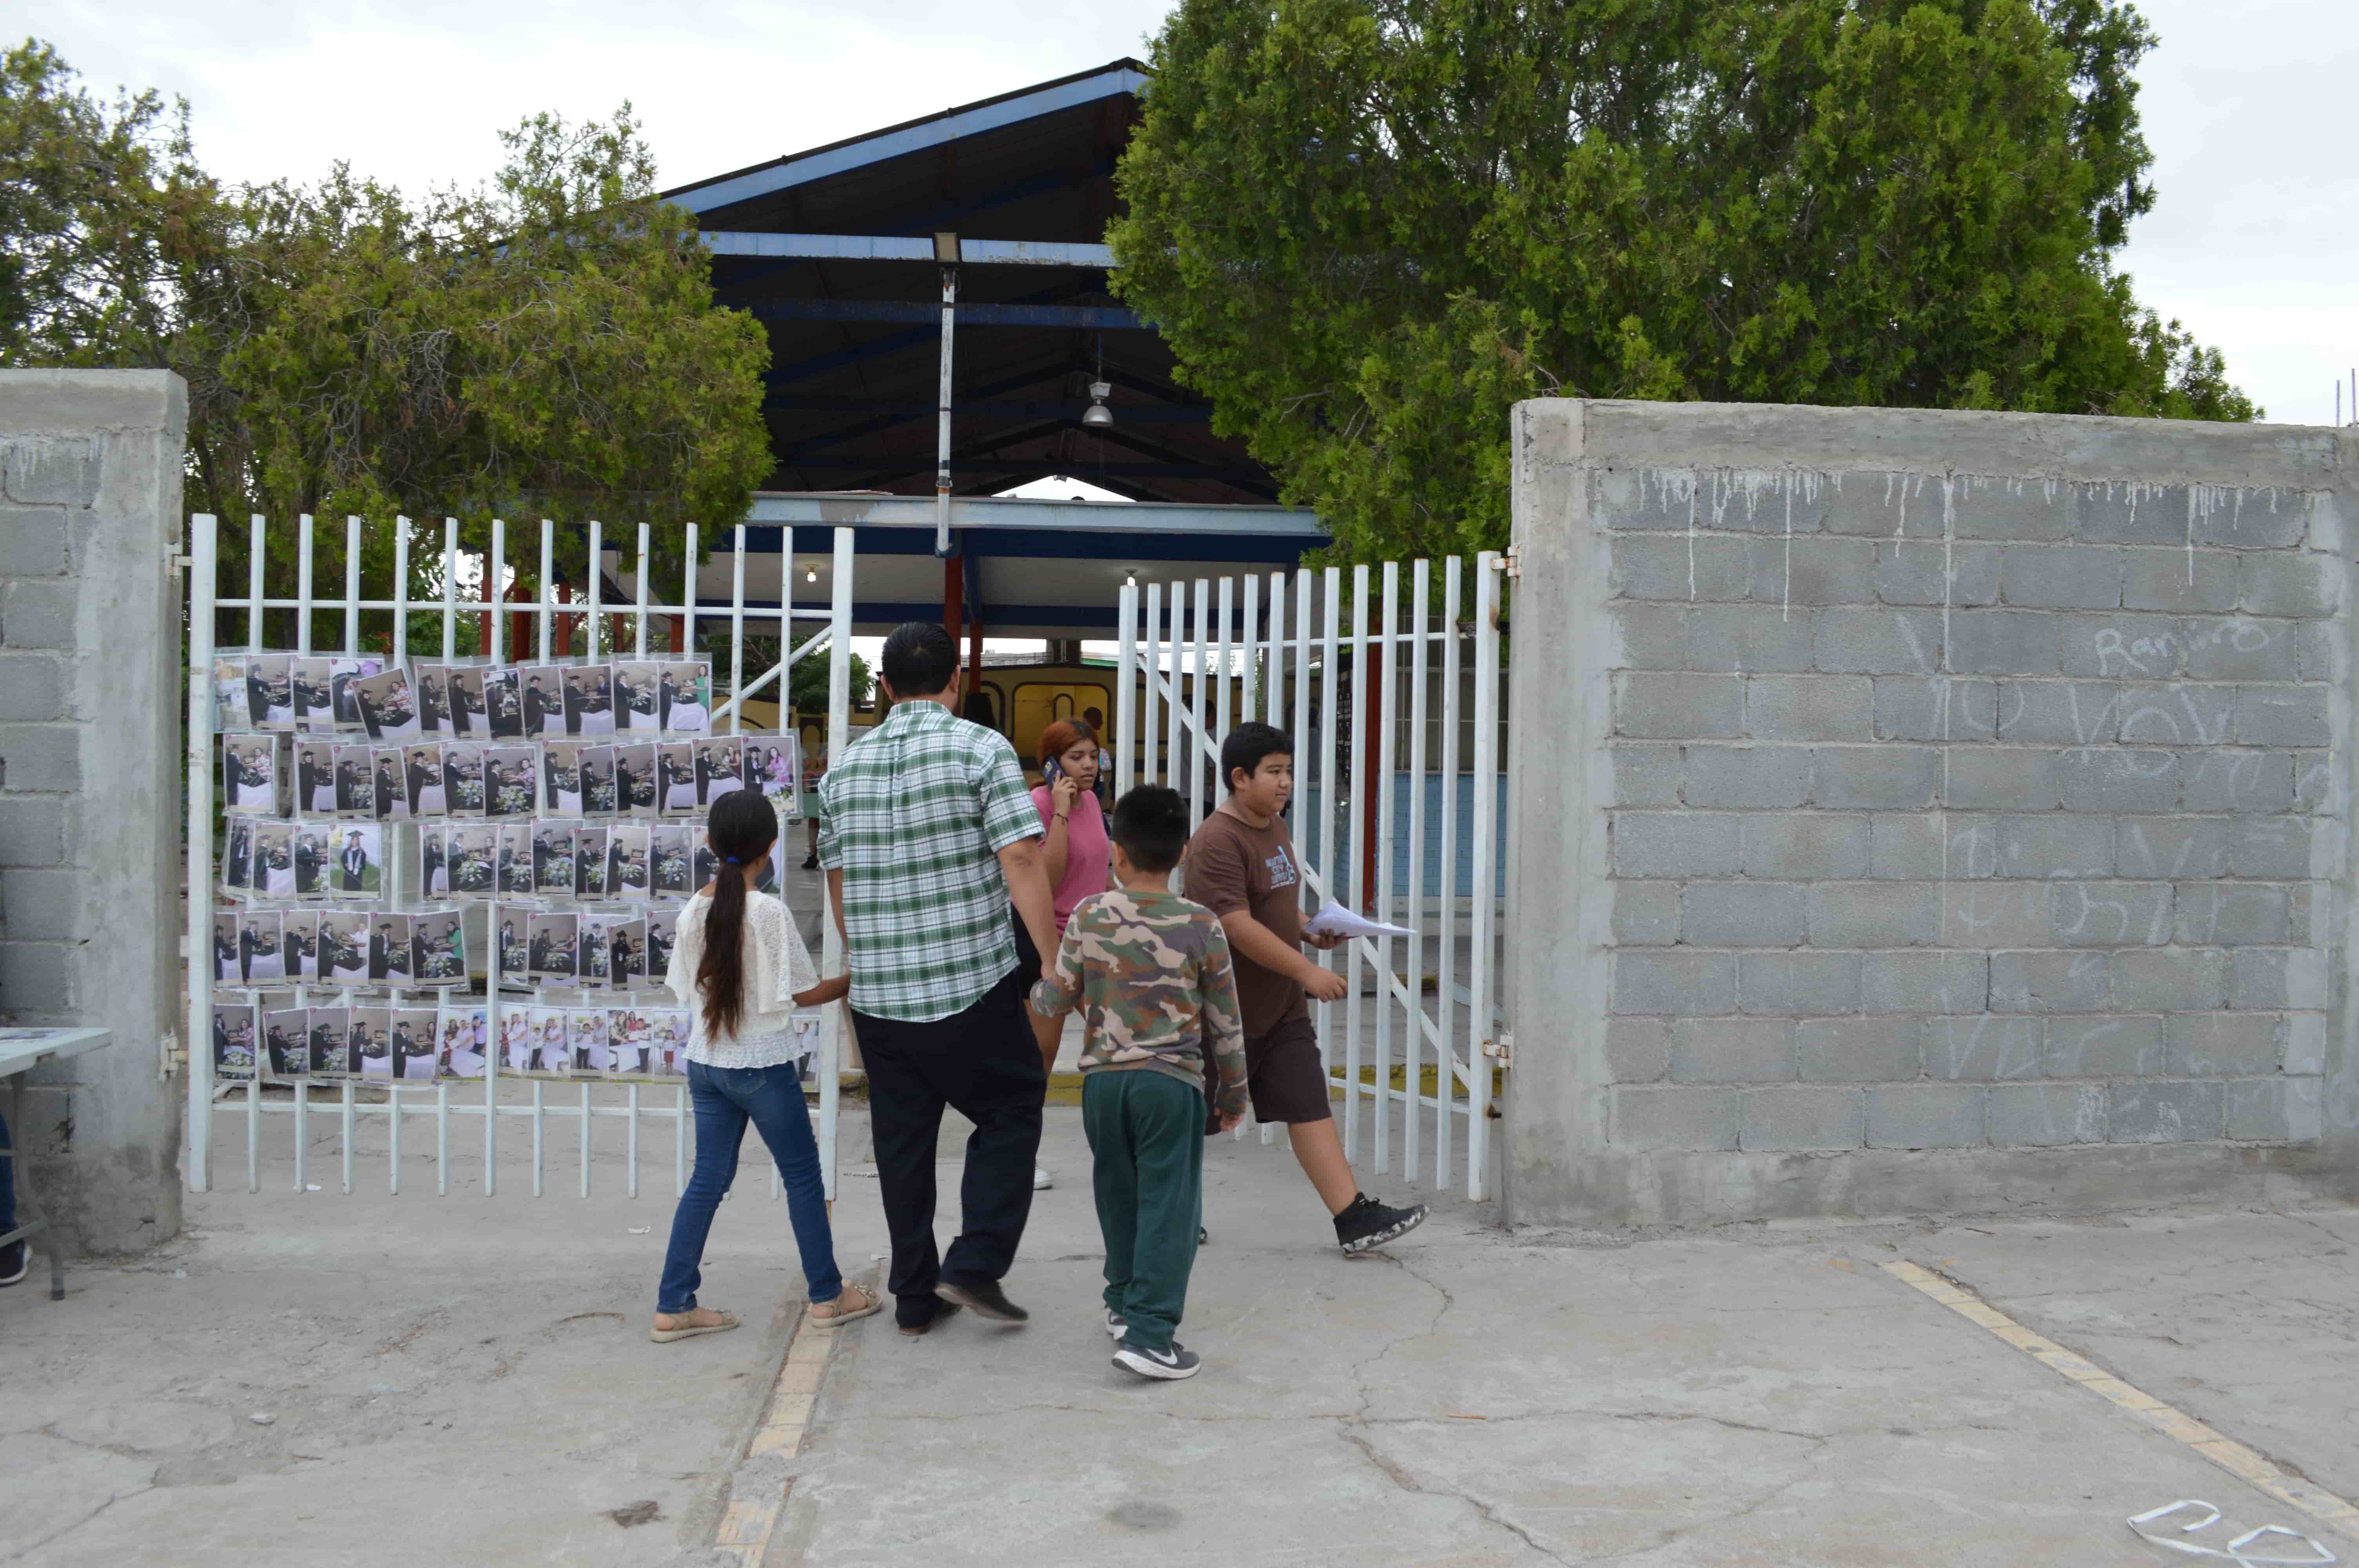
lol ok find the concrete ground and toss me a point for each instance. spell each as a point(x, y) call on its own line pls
point(452, 1379)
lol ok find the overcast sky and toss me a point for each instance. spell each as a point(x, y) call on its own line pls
point(2254, 244)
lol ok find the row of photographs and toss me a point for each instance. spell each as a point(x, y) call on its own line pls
point(543, 858)
point(253, 1038)
point(322, 694)
point(619, 949)
point(440, 779)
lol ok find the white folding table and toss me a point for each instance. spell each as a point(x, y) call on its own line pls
point(21, 1050)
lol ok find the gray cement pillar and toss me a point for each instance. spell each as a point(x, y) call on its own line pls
point(91, 782)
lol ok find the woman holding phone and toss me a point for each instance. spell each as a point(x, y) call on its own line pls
point(1077, 853)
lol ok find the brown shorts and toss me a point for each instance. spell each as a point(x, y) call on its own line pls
point(1283, 1072)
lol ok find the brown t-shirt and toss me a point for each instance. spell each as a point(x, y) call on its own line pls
point(1232, 866)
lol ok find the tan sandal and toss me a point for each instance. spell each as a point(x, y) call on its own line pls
point(665, 1335)
point(870, 1306)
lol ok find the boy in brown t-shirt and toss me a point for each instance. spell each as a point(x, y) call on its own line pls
point(1241, 866)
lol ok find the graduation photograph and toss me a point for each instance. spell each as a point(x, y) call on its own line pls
point(637, 697)
point(226, 970)
point(589, 700)
point(287, 1042)
point(237, 854)
point(298, 944)
point(635, 780)
point(234, 1052)
point(669, 848)
point(587, 1029)
point(274, 860)
point(355, 767)
point(628, 1036)
point(553, 1053)
point(261, 955)
point(511, 782)
point(598, 781)
point(315, 694)
point(509, 940)
point(372, 1037)
point(463, 779)
point(589, 862)
point(392, 802)
point(462, 1040)
point(553, 858)
point(433, 683)
point(676, 778)
point(560, 788)
point(232, 713)
point(551, 940)
point(628, 854)
point(388, 711)
point(626, 954)
point(465, 686)
point(315, 779)
point(503, 709)
point(250, 775)
point(359, 861)
point(434, 861)
point(540, 700)
point(684, 695)
point(331, 1031)
point(596, 955)
point(389, 939)
point(422, 780)
point(270, 691)
point(667, 1050)
point(663, 930)
point(343, 949)
point(513, 872)
point(720, 767)
point(470, 850)
point(438, 943)
point(342, 673)
point(415, 1050)
point(310, 849)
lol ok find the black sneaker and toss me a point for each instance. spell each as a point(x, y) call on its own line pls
point(1171, 1365)
point(1203, 1237)
point(1368, 1223)
point(942, 1309)
point(15, 1260)
point(810, 862)
point(984, 1299)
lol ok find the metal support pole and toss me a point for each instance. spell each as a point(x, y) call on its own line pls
point(942, 424)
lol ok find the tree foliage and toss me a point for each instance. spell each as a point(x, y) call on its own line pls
point(545, 346)
point(1369, 226)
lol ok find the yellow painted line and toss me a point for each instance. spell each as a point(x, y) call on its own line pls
point(747, 1527)
point(2245, 1464)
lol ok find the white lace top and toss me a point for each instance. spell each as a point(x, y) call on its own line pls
point(778, 965)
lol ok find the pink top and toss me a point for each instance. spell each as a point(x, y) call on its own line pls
point(1089, 853)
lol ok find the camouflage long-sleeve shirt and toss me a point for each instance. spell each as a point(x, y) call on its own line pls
point(1150, 972)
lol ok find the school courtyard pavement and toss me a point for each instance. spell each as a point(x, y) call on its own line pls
point(449, 1380)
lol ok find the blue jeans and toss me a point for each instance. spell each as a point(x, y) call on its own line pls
point(725, 1098)
point(8, 1183)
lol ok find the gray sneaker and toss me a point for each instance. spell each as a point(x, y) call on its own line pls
point(1114, 1325)
point(1169, 1366)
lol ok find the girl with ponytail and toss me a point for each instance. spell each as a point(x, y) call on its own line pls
point(741, 969)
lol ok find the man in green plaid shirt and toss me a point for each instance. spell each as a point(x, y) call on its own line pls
point(927, 834)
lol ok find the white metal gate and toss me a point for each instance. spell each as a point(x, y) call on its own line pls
point(516, 1101)
point(1193, 664)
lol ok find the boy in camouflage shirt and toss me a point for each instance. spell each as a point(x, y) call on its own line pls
point(1150, 971)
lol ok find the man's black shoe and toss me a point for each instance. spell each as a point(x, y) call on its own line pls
point(15, 1259)
point(984, 1298)
point(941, 1310)
point(1368, 1223)
point(810, 862)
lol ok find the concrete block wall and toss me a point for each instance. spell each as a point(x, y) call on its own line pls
point(1926, 812)
point(90, 708)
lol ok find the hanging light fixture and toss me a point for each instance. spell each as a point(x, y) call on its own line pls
point(812, 575)
point(1097, 417)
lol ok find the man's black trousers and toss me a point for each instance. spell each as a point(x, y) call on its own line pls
point(984, 1062)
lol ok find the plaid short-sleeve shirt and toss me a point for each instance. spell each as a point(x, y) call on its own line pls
point(915, 815)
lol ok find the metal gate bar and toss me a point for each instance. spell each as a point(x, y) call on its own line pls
point(205, 604)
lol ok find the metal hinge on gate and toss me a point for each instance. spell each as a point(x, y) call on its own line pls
point(1511, 562)
point(173, 1057)
point(1502, 1049)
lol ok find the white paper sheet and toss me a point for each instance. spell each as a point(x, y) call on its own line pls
point(1337, 920)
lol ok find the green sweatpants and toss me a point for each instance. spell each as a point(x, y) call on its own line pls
point(1147, 1134)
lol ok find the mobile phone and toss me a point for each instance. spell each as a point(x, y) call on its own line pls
point(1051, 772)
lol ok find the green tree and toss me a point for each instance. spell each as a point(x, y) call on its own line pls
point(807, 685)
point(1367, 227)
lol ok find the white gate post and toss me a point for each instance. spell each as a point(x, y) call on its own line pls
point(839, 725)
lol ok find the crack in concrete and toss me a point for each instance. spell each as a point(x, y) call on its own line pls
point(62, 1531)
point(1400, 1478)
